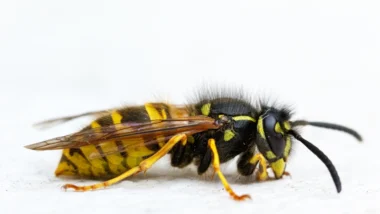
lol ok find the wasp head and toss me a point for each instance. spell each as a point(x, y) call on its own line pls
point(274, 130)
point(273, 140)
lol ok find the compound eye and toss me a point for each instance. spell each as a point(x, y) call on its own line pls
point(276, 140)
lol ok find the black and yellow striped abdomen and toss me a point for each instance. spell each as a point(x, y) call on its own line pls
point(79, 161)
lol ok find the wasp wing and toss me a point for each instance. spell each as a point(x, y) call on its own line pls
point(60, 120)
point(131, 144)
point(127, 131)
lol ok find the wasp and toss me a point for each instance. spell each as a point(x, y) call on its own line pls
point(124, 141)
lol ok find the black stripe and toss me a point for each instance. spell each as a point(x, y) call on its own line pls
point(121, 148)
point(134, 114)
point(77, 150)
point(105, 121)
point(65, 159)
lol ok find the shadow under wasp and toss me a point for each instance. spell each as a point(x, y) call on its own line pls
point(124, 141)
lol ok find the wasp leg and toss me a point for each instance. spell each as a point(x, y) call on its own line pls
point(262, 174)
point(216, 165)
point(248, 162)
point(143, 166)
point(278, 168)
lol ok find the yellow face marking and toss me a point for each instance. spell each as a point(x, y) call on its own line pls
point(116, 117)
point(237, 118)
point(270, 155)
point(287, 125)
point(278, 129)
point(278, 167)
point(260, 127)
point(228, 135)
point(153, 112)
point(288, 146)
point(205, 109)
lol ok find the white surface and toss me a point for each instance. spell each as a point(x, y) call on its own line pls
point(61, 58)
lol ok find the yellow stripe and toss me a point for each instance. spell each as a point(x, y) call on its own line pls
point(83, 166)
point(136, 150)
point(155, 115)
point(205, 109)
point(152, 112)
point(228, 135)
point(116, 117)
point(65, 168)
point(134, 161)
point(260, 127)
point(97, 165)
point(270, 155)
point(237, 118)
point(163, 113)
point(95, 125)
point(115, 160)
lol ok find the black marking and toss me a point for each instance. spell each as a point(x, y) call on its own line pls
point(76, 150)
point(136, 114)
point(105, 121)
point(121, 148)
point(100, 150)
point(65, 159)
point(164, 107)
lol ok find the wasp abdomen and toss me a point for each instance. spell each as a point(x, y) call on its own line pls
point(114, 157)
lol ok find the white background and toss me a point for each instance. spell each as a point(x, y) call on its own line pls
point(65, 57)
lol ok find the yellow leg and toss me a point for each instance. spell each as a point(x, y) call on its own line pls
point(216, 164)
point(143, 166)
point(262, 174)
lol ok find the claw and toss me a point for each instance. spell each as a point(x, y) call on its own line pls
point(241, 197)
